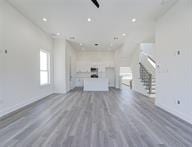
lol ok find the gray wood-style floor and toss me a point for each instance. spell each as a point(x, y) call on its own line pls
point(94, 119)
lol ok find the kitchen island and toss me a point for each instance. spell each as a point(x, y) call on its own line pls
point(96, 84)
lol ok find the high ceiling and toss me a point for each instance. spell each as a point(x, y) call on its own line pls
point(112, 19)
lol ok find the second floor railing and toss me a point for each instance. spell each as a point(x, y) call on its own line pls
point(146, 77)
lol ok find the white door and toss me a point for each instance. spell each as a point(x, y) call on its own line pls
point(110, 74)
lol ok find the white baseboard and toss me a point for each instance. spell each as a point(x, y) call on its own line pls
point(19, 106)
point(176, 113)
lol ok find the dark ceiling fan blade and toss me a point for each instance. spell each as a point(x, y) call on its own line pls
point(96, 3)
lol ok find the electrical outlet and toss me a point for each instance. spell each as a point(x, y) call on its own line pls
point(3, 51)
point(178, 102)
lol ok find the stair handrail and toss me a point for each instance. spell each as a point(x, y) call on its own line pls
point(152, 59)
point(146, 77)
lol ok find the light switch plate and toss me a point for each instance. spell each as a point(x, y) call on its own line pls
point(178, 52)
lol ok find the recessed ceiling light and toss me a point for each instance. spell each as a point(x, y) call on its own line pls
point(81, 44)
point(134, 20)
point(124, 34)
point(89, 19)
point(58, 34)
point(44, 19)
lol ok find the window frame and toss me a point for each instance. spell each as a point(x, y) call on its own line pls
point(48, 67)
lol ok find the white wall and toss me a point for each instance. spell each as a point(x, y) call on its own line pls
point(148, 49)
point(64, 57)
point(174, 77)
point(71, 58)
point(60, 80)
point(99, 59)
point(95, 56)
point(1, 52)
point(21, 75)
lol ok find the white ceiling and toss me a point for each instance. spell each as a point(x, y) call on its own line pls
point(112, 19)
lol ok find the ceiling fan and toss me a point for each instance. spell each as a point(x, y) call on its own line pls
point(96, 3)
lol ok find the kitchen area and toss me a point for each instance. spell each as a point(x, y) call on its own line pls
point(94, 70)
point(90, 69)
point(95, 77)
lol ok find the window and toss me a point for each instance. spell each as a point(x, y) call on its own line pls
point(44, 67)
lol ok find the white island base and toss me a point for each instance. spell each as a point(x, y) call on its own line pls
point(96, 84)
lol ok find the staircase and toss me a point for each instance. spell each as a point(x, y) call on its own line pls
point(148, 81)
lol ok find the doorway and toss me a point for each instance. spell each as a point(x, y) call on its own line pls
point(126, 77)
point(110, 74)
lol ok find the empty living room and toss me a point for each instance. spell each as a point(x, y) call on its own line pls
point(95, 73)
